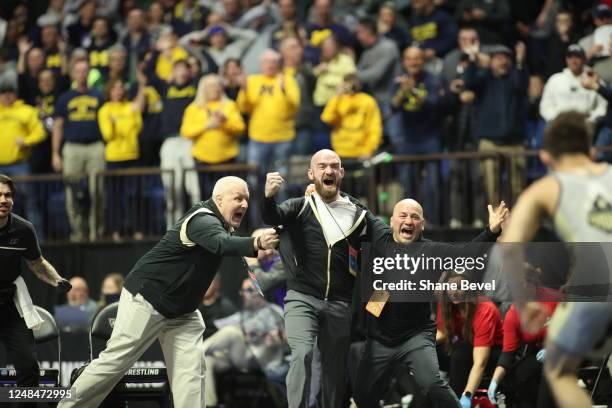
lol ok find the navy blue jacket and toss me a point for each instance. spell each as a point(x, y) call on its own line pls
point(501, 104)
point(175, 97)
point(421, 122)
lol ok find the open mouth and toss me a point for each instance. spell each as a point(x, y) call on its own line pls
point(238, 215)
point(407, 231)
point(329, 182)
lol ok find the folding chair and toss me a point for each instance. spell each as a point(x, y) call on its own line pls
point(138, 384)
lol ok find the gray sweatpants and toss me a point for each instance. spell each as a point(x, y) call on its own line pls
point(379, 362)
point(138, 325)
point(329, 322)
point(175, 155)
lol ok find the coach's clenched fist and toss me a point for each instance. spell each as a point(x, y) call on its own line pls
point(268, 239)
point(274, 181)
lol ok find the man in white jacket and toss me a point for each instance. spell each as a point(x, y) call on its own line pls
point(563, 91)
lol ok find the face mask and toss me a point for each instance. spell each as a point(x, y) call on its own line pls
point(111, 298)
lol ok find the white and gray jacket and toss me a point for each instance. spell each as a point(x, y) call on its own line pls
point(563, 92)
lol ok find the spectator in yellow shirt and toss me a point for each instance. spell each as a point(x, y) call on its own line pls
point(215, 124)
point(355, 119)
point(120, 122)
point(20, 128)
point(272, 99)
point(330, 73)
point(169, 53)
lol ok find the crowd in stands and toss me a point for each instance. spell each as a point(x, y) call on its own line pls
point(88, 85)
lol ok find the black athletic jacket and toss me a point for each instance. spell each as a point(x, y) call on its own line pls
point(314, 266)
point(174, 275)
point(401, 320)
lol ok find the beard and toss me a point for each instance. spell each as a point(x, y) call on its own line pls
point(326, 192)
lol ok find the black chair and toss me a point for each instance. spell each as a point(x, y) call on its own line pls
point(47, 332)
point(138, 384)
point(102, 327)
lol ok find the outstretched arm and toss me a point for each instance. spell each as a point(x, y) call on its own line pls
point(207, 232)
point(496, 219)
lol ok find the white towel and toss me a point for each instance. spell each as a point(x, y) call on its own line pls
point(24, 305)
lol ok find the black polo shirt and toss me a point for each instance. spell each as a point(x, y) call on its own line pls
point(17, 240)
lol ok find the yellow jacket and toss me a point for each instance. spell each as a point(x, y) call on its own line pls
point(329, 80)
point(18, 121)
point(357, 124)
point(214, 145)
point(163, 66)
point(120, 124)
point(272, 111)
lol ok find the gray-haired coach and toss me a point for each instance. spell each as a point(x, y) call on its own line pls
point(161, 294)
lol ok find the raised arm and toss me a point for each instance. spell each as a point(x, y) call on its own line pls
point(277, 214)
point(140, 100)
point(242, 38)
point(378, 233)
point(24, 45)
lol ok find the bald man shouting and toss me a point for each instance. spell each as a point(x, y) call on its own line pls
point(324, 231)
point(404, 333)
point(161, 294)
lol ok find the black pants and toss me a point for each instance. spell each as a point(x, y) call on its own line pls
point(460, 364)
point(19, 343)
point(529, 385)
point(379, 365)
